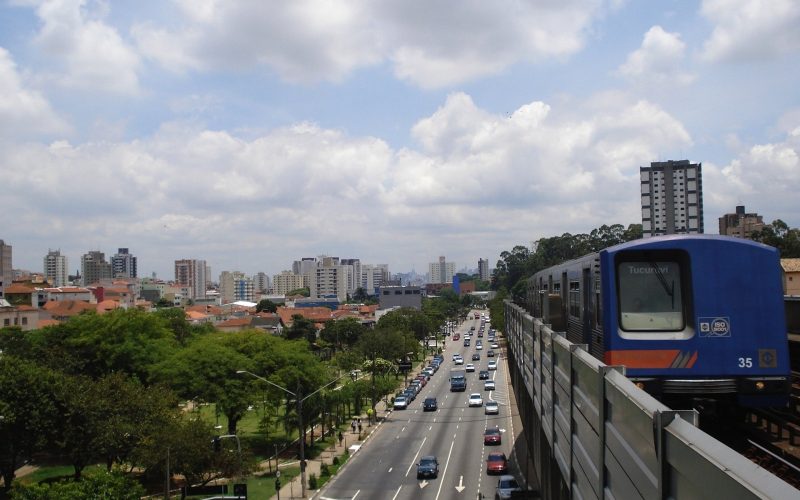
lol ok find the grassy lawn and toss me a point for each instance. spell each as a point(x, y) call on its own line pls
point(53, 472)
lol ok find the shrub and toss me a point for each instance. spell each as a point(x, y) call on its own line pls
point(324, 470)
point(335, 460)
point(312, 481)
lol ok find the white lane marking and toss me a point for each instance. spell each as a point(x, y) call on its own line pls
point(390, 469)
point(397, 492)
point(441, 483)
point(354, 496)
point(414, 460)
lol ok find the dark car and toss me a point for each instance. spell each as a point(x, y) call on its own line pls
point(496, 463)
point(476, 357)
point(490, 353)
point(492, 435)
point(483, 375)
point(427, 467)
point(429, 404)
point(466, 343)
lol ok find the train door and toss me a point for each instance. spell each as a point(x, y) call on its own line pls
point(586, 306)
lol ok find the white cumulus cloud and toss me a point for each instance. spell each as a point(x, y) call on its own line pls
point(659, 60)
point(751, 29)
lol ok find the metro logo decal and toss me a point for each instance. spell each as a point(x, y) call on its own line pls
point(715, 327)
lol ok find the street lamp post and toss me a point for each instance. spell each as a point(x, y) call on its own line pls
point(299, 399)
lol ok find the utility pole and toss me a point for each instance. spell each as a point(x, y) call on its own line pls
point(302, 442)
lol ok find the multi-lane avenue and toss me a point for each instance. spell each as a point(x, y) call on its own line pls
point(386, 465)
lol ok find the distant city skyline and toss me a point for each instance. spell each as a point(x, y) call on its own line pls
point(390, 132)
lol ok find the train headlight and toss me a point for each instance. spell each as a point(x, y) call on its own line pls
point(760, 385)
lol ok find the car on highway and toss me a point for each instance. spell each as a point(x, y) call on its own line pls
point(400, 403)
point(475, 399)
point(492, 435)
point(459, 360)
point(410, 394)
point(456, 336)
point(483, 375)
point(428, 466)
point(506, 486)
point(422, 379)
point(490, 353)
point(491, 408)
point(476, 357)
point(428, 371)
point(492, 365)
point(479, 347)
point(495, 345)
point(488, 385)
point(470, 367)
point(496, 463)
point(429, 404)
point(466, 343)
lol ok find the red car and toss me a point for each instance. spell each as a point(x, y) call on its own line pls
point(496, 463)
point(492, 436)
point(456, 336)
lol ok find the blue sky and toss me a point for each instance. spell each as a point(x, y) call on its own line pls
point(251, 134)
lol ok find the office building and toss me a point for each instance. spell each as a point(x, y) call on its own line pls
point(123, 264)
point(672, 198)
point(740, 224)
point(374, 276)
point(191, 274)
point(55, 268)
point(235, 286)
point(94, 268)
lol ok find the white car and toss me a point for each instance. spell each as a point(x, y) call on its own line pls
point(470, 367)
point(459, 361)
point(475, 399)
point(400, 403)
point(494, 345)
point(492, 365)
point(492, 408)
point(479, 346)
point(488, 385)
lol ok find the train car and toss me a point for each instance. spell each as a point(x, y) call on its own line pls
point(691, 317)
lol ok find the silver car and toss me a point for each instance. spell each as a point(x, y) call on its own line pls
point(506, 485)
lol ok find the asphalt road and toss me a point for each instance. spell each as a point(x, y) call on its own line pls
point(385, 467)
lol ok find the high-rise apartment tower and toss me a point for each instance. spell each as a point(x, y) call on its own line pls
point(672, 198)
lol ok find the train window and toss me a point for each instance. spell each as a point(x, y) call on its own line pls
point(575, 298)
point(650, 298)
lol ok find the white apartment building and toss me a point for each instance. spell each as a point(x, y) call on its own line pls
point(672, 198)
point(483, 269)
point(55, 269)
point(374, 277)
point(442, 271)
point(329, 280)
point(287, 281)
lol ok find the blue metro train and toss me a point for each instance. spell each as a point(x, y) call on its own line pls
point(693, 318)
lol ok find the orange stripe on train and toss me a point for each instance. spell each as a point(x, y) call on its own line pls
point(647, 358)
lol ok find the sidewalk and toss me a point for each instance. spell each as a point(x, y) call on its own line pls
point(292, 489)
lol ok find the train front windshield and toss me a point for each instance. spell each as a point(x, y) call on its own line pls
point(650, 296)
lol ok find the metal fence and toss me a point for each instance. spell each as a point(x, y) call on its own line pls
point(592, 434)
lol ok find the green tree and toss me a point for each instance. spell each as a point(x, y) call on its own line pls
point(206, 370)
point(266, 305)
point(305, 292)
point(343, 332)
point(27, 401)
point(301, 328)
point(101, 485)
point(779, 235)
